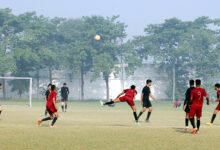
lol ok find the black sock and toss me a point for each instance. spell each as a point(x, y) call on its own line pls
point(54, 120)
point(66, 107)
point(45, 112)
point(62, 107)
point(186, 122)
point(135, 116)
point(213, 118)
point(192, 122)
point(198, 124)
point(148, 115)
point(109, 103)
point(46, 119)
point(140, 114)
point(0, 112)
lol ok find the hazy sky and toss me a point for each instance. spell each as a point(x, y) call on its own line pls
point(135, 13)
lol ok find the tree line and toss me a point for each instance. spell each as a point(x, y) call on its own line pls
point(30, 43)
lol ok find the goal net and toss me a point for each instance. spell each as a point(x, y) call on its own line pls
point(16, 91)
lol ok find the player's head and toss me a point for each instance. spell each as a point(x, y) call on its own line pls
point(217, 86)
point(191, 82)
point(64, 84)
point(0, 86)
point(133, 87)
point(49, 86)
point(53, 87)
point(198, 82)
point(149, 82)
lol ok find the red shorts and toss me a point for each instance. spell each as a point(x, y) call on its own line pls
point(127, 99)
point(195, 111)
point(51, 109)
point(218, 107)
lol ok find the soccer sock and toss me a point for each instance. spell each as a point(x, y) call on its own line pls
point(192, 122)
point(0, 112)
point(66, 107)
point(54, 120)
point(45, 112)
point(213, 118)
point(108, 103)
point(62, 107)
point(198, 124)
point(186, 122)
point(148, 115)
point(140, 114)
point(45, 119)
point(135, 116)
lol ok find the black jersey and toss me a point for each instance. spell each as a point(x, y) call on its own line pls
point(64, 92)
point(188, 95)
point(47, 94)
point(146, 91)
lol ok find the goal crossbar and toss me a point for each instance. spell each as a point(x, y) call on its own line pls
point(30, 86)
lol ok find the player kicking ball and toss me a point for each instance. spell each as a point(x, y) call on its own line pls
point(129, 97)
point(217, 88)
point(51, 107)
point(187, 104)
point(145, 100)
point(196, 99)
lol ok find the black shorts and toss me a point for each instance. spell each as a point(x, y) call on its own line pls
point(187, 109)
point(147, 104)
point(64, 99)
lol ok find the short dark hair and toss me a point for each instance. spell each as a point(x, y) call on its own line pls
point(133, 87)
point(191, 82)
point(148, 81)
point(198, 82)
point(53, 87)
point(217, 85)
point(64, 83)
point(49, 85)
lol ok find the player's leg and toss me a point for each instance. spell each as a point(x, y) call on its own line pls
point(46, 118)
point(187, 122)
point(62, 104)
point(112, 102)
point(198, 124)
point(192, 121)
point(66, 102)
point(134, 113)
point(214, 115)
point(45, 113)
point(1, 110)
point(142, 111)
point(198, 116)
point(54, 120)
point(149, 113)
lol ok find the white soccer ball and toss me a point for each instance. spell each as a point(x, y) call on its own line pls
point(97, 37)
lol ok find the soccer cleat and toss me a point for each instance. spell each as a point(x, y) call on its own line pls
point(101, 103)
point(209, 124)
point(197, 132)
point(39, 122)
point(147, 121)
point(137, 122)
point(53, 126)
point(186, 128)
point(193, 131)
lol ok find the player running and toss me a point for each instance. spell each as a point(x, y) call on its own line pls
point(0, 105)
point(47, 95)
point(64, 96)
point(51, 107)
point(217, 88)
point(196, 99)
point(145, 100)
point(187, 104)
point(129, 97)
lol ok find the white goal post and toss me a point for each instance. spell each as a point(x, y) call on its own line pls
point(30, 85)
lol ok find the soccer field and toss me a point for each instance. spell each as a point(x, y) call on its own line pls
point(87, 126)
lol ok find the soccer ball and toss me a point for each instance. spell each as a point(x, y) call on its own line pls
point(97, 37)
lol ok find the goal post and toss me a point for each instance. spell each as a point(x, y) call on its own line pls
point(30, 85)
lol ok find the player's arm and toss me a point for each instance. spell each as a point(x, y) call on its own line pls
point(217, 100)
point(68, 92)
point(54, 103)
point(45, 98)
point(120, 94)
point(142, 97)
point(207, 98)
point(186, 99)
point(153, 97)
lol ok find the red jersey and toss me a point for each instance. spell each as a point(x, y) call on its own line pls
point(52, 95)
point(130, 92)
point(218, 95)
point(197, 95)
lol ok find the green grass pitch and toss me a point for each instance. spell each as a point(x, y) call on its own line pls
point(87, 126)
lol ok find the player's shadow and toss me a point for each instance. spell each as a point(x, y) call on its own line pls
point(181, 130)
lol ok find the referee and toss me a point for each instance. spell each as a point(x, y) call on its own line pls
point(64, 96)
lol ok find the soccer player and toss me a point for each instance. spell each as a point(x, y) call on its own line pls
point(51, 107)
point(0, 105)
point(187, 104)
point(129, 97)
point(217, 88)
point(46, 96)
point(196, 99)
point(145, 101)
point(64, 96)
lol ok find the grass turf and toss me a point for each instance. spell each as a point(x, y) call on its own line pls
point(87, 126)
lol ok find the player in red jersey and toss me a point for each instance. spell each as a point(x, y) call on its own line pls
point(196, 99)
point(217, 109)
point(51, 107)
point(129, 97)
